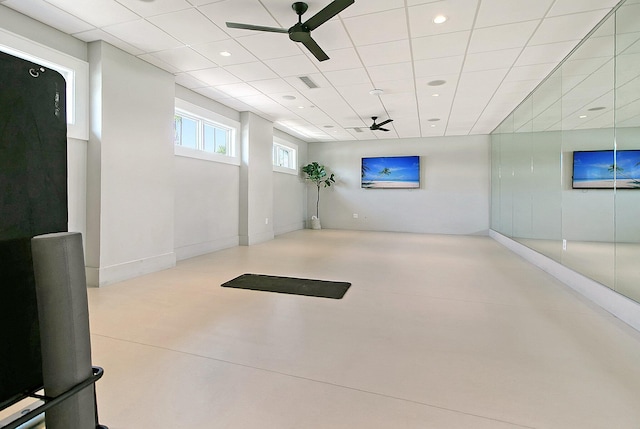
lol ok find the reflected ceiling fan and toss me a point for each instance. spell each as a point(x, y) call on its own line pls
point(301, 32)
point(373, 127)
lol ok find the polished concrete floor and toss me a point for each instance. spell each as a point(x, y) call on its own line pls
point(435, 332)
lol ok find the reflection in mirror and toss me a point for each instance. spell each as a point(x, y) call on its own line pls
point(587, 125)
point(627, 129)
point(589, 105)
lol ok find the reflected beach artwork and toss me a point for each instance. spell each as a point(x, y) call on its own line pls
point(597, 169)
point(393, 172)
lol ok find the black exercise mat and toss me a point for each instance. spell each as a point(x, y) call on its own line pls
point(291, 285)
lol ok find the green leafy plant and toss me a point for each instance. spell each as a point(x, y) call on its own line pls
point(317, 174)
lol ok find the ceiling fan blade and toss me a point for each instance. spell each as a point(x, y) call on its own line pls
point(385, 122)
point(313, 47)
point(256, 27)
point(331, 10)
point(382, 129)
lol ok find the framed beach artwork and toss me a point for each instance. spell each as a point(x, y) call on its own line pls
point(598, 169)
point(391, 172)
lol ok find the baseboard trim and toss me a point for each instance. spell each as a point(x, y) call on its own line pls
point(97, 277)
point(619, 305)
point(193, 250)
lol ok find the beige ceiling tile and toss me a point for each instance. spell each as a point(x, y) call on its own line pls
point(565, 7)
point(385, 53)
point(251, 71)
point(441, 45)
point(155, 7)
point(292, 66)
point(189, 26)
point(238, 89)
point(539, 54)
point(348, 77)
point(98, 12)
point(459, 13)
point(266, 46)
point(214, 76)
point(491, 60)
point(340, 59)
point(499, 12)
point(51, 15)
point(502, 37)
point(213, 51)
point(564, 28)
point(386, 72)
point(272, 86)
point(366, 30)
point(184, 59)
point(143, 35)
point(438, 66)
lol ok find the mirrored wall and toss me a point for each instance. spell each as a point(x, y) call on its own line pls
point(566, 163)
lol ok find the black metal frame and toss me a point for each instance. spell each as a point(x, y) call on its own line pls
point(52, 402)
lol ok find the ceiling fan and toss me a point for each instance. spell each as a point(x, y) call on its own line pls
point(375, 126)
point(301, 32)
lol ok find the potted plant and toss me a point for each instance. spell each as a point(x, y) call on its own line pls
point(317, 174)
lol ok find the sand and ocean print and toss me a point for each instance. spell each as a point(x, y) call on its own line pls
point(597, 169)
point(399, 172)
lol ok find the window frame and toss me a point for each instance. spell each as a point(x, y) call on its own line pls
point(292, 148)
point(74, 71)
point(215, 120)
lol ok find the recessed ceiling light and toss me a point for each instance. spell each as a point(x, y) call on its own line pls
point(300, 107)
point(289, 97)
point(433, 126)
point(376, 91)
point(437, 82)
point(225, 54)
point(583, 116)
point(435, 95)
point(439, 19)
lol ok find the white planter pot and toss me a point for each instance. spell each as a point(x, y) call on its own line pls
point(315, 223)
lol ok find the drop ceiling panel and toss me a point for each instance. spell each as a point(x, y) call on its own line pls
point(491, 60)
point(189, 81)
point(183, 59)
point(251, 71)
point(50, 15)
point(340, 59)
point(540, 54)
point(215, 76)
point(390, 72)
point(297, 65)
point(189, 26)
point(143, 35)
point(502, 36)
point(565, 28)
point(272, 86)
point(156, 7)
point(97, 34)
point(440, 46)
point(238, 53)
point(567, 7)
point(500, 12)
point(459, 13)
point(266, 46)
point(349, 77)
point(438, 67)
point(371, 6)
point(385, 53)
point(241, 11)
point(96, 12)
point(379, 27)
point(238, 90)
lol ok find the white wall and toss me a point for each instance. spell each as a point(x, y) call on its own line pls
point(130, 218)
point(256, 180)
point(453, 197)
point(290, 192)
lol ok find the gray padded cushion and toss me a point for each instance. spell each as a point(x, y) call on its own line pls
point(58, 264)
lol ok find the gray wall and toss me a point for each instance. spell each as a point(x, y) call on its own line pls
point(453, 197)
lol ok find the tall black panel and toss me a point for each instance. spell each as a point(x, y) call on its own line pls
point(33, 201)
